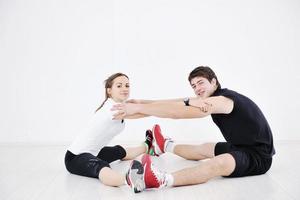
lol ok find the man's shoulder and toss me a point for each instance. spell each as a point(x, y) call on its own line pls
point(224, 91)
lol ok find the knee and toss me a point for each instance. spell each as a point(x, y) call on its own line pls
point(223, 164)
point(106, 176)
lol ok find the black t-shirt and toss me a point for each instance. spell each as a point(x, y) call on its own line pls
point(246, 126)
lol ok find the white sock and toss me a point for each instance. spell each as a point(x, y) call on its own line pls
point(170, 146)
point(169, 180)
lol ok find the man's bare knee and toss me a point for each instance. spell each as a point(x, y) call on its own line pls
point(223, 164)
point(207, 149)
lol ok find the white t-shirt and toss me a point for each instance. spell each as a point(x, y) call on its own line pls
point(100, 131)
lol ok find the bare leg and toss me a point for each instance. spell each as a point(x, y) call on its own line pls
point(195, 152)
point(111, 178)
point(221, 165)
point(133, 152)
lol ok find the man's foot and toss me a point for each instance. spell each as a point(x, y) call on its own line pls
point(159, 142)
point(148, 142)
point(134, 176)
point(153, 177)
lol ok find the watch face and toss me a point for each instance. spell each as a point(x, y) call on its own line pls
point(186, 101)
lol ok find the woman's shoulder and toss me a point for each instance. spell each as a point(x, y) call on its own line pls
point(106, 108)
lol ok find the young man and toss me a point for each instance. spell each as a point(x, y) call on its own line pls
point(248, 149)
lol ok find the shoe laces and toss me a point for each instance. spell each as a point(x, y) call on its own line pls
point(149, 138)
point(159, 175)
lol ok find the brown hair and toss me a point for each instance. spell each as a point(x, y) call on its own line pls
point(206, 72)
point(108, 84)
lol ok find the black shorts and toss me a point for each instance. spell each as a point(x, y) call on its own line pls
point(86, 164)
point(247, 161)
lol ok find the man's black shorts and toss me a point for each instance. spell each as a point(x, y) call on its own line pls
point(248, 162)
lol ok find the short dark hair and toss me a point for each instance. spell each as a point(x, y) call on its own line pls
point(206, 72)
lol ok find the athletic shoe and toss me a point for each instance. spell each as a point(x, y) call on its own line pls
point(148, 141)
point(134, 176)
point(159, 141)
point(153, 177)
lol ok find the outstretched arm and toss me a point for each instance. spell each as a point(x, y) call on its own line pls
point(135, 116)
point(143, 101)
point(177, 110)
point(163, 110)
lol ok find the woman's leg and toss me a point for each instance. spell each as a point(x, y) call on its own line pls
point(134, 177)
point(133, 152)
point(110, 177)
point(111, 154)
point(84, 164)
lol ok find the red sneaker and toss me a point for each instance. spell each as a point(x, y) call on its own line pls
point(159, 141)
point(153, 177)
point(148, 142)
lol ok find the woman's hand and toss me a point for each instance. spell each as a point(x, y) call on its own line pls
point(124, 109)
point(201, 104)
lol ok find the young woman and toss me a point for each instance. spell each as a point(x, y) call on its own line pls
point(89, 156)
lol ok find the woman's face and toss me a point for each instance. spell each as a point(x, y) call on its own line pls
point(120, 89)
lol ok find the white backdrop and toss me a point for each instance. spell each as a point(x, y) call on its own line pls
point(54, 56)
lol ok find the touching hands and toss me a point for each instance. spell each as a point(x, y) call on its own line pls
point(124, 109)
point(201, 104)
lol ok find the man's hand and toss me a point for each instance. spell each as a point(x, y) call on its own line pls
point(201, 104)
point(134, 101)
point(139, 101)
point(124, 109)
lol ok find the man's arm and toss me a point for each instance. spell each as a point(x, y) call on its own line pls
point(164, 110)
point(142, 101)
point(177, 110)
point(135, 116)
point(218, 104)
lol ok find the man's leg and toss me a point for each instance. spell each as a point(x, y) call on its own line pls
point(221, 165)
point(195, 152)
point(161, 144)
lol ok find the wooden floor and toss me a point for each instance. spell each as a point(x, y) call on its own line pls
point(38, 173)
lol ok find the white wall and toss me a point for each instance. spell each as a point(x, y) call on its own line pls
point(54, 56)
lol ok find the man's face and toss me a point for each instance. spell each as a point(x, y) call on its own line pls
point(202, 87)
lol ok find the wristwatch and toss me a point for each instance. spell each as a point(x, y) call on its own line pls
point(186, 101)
